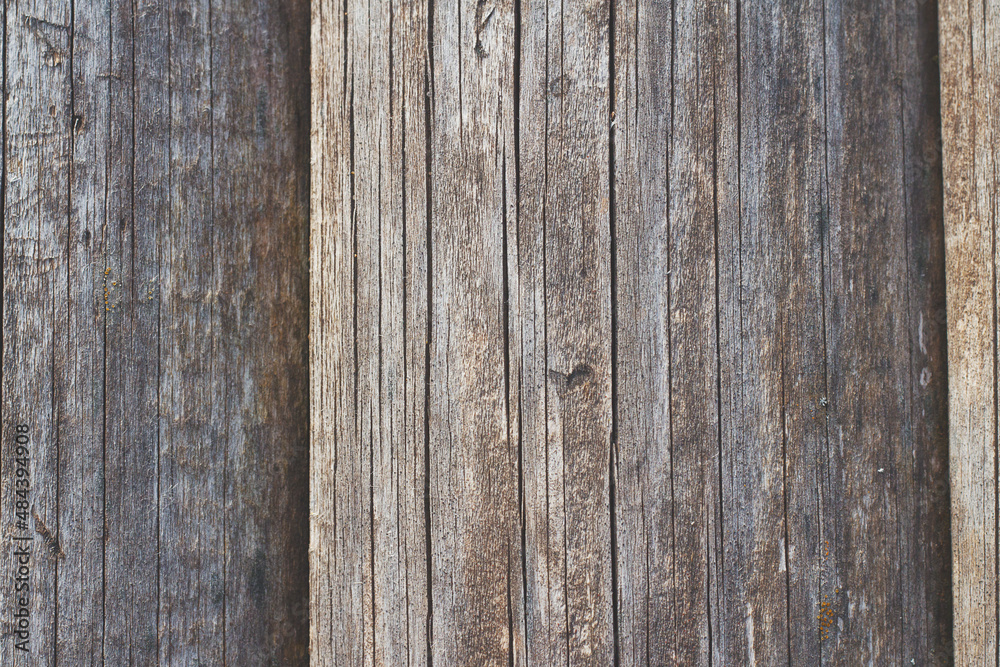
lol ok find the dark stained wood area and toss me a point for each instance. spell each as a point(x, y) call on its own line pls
point(155, 216)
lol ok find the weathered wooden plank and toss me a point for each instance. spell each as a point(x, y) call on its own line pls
point(36, 213)
point(472, 466)
point(410, 112)
point(544, 597)
point(970, 45)
point(873, 384)
point(154, 199)
point(337, 611)
point(780, 509)
point(683, 245)
point(675, 153)
point(923, 488)
point(131, 246)
point(406, 315)
point(191, 464)
point(79, 353)
point(564, 241)
point(259, 245)
point(773, 354)
point(642, 122)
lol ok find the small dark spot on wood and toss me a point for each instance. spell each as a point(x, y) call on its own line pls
point(121, 224)
point(824, 221)
point(559, 86)
point(873, 295)
point(257, 581)
point(481, 24)
point(51, 543)
point(52, 110)
point(218, 590)
point(262, 112)
point(86, 236)
point(77, 122)
point(578, 375)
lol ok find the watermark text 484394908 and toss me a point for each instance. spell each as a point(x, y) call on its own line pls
point(22, 537)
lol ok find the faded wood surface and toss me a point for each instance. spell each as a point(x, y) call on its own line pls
point(155, 163)
point(970, 88)
point(627, 334)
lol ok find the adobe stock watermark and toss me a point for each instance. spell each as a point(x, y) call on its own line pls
point(22, 537)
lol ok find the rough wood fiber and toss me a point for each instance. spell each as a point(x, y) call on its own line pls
point(154, 329)
point(671, 356)
point(970, 86)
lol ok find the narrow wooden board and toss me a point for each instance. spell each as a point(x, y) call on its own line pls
point(561, 313)
point(970, 85)
point(155, 186)
point(36, 220)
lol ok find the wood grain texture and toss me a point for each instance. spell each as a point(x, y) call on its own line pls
point(564, 316)
point(672, 345)
point(970, 84)
point(155, 229)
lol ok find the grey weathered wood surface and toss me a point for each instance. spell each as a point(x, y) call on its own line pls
point(155, 202)
point(628, 334)
point(970, 87)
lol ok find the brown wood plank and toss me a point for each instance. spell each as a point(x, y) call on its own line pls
point(79, 327)
point(191, 465)
point(970, 42)
point(410, 107)
point(923, 488)
point(679, 309)
point(155, 210)
point(472, 464)
point(642, 456)
point(337, 608)
point(260, 246)
point(873, 382)
point(565, 311)
point(675, 152)
point(772, 363)
point(408, 318)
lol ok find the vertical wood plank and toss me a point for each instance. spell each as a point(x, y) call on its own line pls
point(785, 502)
point(676, 186)
point(411, 117)
point(36, 213)
point(373, 218)
point(544, 598)
point(192, 466)
point(409, 398)
point(871, 397)
point(134, 242)
point(260, 252)
point(80, 351)
point(641, 128)
point(773, 350)
point(472, 483)
point(565, 282)
point(337, 611)
point(923, 486)
point(117, 191)
point(970, 44)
